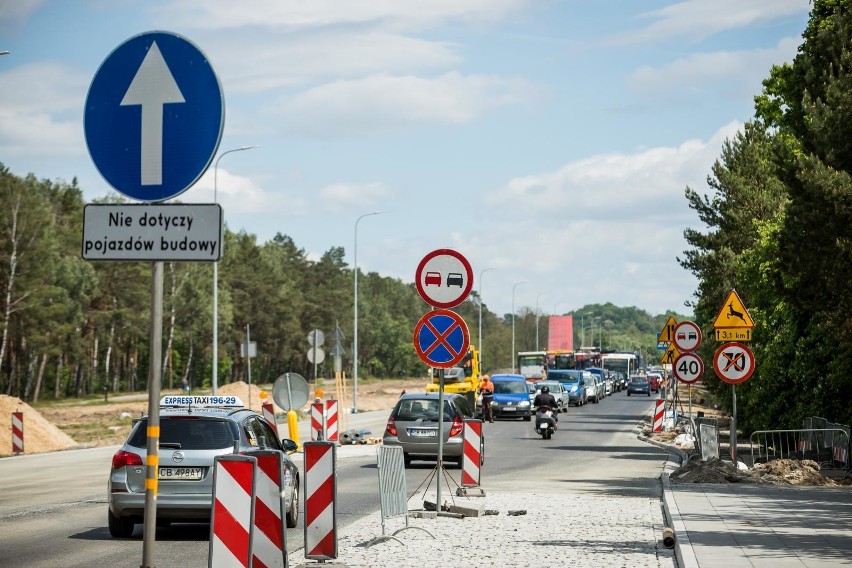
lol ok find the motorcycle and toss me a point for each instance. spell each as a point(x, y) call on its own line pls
point(545, 425)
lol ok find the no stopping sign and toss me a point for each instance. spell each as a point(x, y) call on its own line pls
point(688, 368)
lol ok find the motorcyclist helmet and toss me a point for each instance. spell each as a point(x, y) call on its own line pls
point(545, 390)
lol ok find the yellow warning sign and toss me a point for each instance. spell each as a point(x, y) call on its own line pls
point(671, 353)
point(733, 313)
point(667, 334)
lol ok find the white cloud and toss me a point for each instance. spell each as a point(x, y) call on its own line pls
point(283, 61)
point(298, 14)
point(380, 102)
point(699, 19)
point(703, 71)
point(240, 195)
point(41, 111)
point(614, 185)
point(16, 11)
point(340, 197)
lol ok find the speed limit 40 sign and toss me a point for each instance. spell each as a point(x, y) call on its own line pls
point(688, 368)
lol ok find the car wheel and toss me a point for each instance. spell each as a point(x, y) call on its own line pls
point(628, 393)
point(406, 459)
point(649, 393)
point(527, 418)
point(119, 527)
point(293, 511)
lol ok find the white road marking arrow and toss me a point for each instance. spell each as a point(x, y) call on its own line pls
point(152, 87)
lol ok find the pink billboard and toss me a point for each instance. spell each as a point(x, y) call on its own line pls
point(560, 333)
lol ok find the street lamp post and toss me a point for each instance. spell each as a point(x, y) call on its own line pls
point(355, 331)
point(514, 360)
point(583, 328)
point(216, 274)
point(537, 344)
point(481, 272)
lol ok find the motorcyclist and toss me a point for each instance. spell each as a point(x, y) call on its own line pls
point(544, 398)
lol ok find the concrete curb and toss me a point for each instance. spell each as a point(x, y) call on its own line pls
point(684, 553)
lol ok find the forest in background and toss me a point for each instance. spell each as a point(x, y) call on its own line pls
point(72, 327)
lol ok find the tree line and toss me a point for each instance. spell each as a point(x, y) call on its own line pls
point(779, 219)
point(72, 327)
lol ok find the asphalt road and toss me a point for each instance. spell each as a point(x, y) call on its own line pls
point(53, 506)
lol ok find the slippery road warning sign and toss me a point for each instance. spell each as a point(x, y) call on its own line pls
point(441, 338)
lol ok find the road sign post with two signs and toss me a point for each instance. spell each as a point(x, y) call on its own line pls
point(444, 278)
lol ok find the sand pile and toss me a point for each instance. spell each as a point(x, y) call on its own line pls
point(777, 472)
point(39, 434)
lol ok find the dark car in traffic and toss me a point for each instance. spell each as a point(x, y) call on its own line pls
point(639, 384)
point(413, 426)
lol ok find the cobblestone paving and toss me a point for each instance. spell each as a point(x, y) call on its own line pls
point(573, 529)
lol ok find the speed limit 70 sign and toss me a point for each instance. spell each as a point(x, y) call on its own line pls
point(688, 368)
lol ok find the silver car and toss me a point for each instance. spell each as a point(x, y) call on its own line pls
point(192, 433)
point(413, 426)
point(557, 389)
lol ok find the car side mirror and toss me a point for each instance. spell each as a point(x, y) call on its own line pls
point(289, 445)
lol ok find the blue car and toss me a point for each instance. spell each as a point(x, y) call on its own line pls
point(574, 383)
point(511, 397)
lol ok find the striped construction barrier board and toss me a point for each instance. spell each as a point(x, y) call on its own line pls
point(317, 422)
point(232, 520)
point(472, 456)
point(320, 484)
point(17, 432)
point(269, 416)
point(331, 416)
point(269, 542)
point(658, 415)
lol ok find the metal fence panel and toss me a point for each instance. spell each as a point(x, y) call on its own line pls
point(392, 489)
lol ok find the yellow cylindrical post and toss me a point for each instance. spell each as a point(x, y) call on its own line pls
point(293, 426)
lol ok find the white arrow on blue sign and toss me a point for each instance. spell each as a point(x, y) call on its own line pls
point(154, 116)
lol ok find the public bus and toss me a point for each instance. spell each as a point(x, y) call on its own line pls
point(625, 362)
point(532, 364)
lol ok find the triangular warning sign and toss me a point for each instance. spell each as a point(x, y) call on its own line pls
point(667, 334)
point(670, 355)
point(733, 313)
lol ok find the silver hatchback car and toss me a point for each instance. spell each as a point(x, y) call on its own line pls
point(193, 431)
point(413, 426)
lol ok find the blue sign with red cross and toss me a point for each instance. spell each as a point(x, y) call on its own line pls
point(441, 338)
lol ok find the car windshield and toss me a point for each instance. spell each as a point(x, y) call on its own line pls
point(187, 433)
point(510, 387)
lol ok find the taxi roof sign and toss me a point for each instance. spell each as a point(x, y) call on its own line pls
point(733, 313)
point(202, 401)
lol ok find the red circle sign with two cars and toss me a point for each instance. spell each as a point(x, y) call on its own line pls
point(444, 278)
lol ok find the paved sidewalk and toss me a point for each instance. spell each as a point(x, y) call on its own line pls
point(749, 525)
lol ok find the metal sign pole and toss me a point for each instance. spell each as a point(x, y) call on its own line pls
point(734, 426)
point(152, 469)
point(248, 358)
point(440, 436)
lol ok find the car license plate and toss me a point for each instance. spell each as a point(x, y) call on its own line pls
point(430, 433)
point(180, 473)
point(508, 408)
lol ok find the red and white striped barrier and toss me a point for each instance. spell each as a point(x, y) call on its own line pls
point(317, 422)
point(17, 432)
point(803, 445)
point(320, 501)
point(658, 415)
point(472, 456)
point(269, 542)
point(231, 525)
point(839, 454)
point(331, 415)
point(269, 416)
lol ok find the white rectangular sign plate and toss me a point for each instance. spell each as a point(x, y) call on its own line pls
point(162, 232)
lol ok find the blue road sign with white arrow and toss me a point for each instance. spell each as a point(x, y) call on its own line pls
point(154, 116)
point(441, 338)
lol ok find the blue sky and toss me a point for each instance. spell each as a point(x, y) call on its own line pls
point(550, 141)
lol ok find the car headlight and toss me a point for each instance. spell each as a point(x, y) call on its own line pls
point(574, 388)
point(524, 403)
